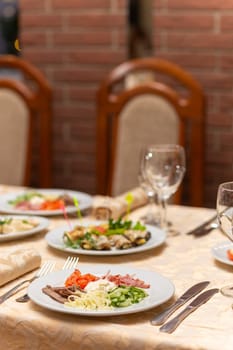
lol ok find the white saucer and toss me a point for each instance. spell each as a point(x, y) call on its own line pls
point(220, 252)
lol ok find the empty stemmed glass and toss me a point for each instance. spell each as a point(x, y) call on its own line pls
point(225, 218)
point(164, 167)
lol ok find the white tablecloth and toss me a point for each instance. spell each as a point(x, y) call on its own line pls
point(183, 259)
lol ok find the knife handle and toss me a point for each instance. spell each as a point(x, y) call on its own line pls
point(163, 316)
point(170, 326)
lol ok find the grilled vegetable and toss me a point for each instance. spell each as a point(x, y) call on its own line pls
point(117, 234)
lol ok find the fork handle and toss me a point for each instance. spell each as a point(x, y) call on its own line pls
point(12, 291)
point(23, 299)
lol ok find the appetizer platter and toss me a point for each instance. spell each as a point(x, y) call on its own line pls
point(44, 202)
point(222, 252)
point(14, 227)
point(101, 290)
point(105, 237)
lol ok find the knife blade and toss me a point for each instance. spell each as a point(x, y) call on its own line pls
point(191, 292)
point(171, 325)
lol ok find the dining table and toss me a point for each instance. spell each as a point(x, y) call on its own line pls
point(182, 258)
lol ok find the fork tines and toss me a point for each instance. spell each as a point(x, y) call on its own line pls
point(47, 267)
point(71, 262)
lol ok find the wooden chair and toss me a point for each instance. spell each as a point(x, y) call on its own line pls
point(25, 106)
point(164, 105)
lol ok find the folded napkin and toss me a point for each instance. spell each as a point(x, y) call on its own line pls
point(16, 263)
point(109, 207)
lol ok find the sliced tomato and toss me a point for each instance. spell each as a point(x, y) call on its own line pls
point(52, 204)
point(100, 229)
point(230, 254)
point(79, 280)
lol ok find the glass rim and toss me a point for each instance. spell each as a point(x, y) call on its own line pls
point(226, 184)
point(164, 145)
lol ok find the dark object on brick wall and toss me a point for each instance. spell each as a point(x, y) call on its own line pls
point(9, 27)
point(139, 38)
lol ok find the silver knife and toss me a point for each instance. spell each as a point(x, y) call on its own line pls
point(203, 225)
point(170, 326)
point(191, 292)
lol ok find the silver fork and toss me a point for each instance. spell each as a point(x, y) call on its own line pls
point(44, 270)
point(71, 262)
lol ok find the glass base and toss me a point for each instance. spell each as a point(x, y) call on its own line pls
point(150, 220)
point(227, 291)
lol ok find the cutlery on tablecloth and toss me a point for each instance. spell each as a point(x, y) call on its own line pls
point(202, 226)
point(71, 262)
point(171, 325)
point(207, 229)
point(191, 292)
point(47, 267)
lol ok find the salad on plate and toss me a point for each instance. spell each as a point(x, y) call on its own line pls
point(16, 224)
point(110, 235)
point(99, 292)
point(14, 227)
point(230, 254)
point(44, 202)
point(35, 200)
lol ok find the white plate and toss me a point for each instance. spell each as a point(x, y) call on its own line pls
point(84, 199)
point(161, 289)
point(220, 252)
point(55, 239)
point(42, 225)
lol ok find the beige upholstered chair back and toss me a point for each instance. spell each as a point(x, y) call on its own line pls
point(146, 119)
point(14, 125)
point(25, 123)
point(148, 101)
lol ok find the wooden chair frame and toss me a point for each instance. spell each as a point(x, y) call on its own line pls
point(38, 101)
point(189, 108)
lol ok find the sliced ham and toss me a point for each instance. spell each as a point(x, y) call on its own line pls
point(127, 280)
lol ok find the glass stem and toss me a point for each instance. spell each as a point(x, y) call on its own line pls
point(151, 200)
point(162, 211)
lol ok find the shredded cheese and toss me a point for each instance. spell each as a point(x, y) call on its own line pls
point(93, 300)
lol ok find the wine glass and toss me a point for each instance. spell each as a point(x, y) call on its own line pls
point(225, 218)
point(164, 167)
point(151, 217)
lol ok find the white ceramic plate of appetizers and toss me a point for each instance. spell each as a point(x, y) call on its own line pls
point(55, 239)
point(6, 206)
point(220, 252)
point(39, 224)
point(160, 290)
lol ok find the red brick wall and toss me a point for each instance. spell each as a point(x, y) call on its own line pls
point(198, 35)
point(76, 42)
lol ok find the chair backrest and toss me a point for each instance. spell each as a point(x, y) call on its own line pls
point(25, 106)
point(165, 106)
